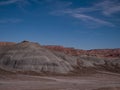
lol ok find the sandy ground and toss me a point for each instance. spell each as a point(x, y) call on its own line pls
point(104, 81)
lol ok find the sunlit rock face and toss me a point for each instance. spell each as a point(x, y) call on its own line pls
point(28, 56)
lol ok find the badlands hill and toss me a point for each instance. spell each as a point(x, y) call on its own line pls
point(32, 57)
point(108, 53)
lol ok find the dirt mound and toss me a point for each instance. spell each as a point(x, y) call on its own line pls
point(28, 56)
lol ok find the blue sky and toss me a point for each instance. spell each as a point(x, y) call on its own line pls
point(83, 24)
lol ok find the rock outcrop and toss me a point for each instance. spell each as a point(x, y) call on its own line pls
point(108, 53)
point(28, 56)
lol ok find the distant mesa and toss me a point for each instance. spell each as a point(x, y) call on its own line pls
point(108, 53)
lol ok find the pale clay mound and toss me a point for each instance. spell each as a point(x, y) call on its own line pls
point(28, 56)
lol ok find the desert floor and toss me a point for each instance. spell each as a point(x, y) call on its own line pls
point(101, 81)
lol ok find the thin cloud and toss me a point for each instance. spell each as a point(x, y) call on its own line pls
point(74, 11)
point(17, 2)
point(106, 8)
point(12, 20)
point(89, 18)
point(112, 10)
point(8, 2)
point(59, 7)
point(81, 15)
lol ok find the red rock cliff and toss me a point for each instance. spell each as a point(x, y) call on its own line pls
point(95, 52)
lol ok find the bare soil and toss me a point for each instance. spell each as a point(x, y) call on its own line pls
point(98, 81)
